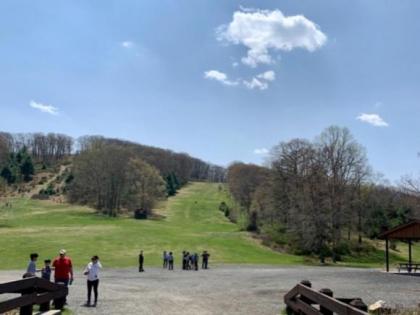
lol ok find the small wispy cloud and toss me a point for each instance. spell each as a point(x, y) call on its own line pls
point(261, 80)
point(220, 77)
point(127, 44)
point(261, 151)
point(49, 109)
point(372, 119)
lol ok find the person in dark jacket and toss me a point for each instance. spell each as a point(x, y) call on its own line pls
point(195, 261)
point(141, 261)
point(205, 256)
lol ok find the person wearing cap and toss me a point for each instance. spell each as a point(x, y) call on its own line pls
point(63, 269)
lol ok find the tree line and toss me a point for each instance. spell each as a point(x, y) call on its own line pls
point(108, 174)
point(317, 196)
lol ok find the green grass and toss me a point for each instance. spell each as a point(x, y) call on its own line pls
point(191, 221)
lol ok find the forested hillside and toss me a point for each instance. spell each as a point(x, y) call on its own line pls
point(110, 175)
point(317, 197)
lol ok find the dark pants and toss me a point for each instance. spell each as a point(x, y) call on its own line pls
point(92, 284)
point(204, 264)
point(141, 267)
point(65, 282)
point(165, 263)
point(171, 265)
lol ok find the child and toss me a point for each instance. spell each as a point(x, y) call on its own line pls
point(46, 271)
point(92, 273)
point(32, 264)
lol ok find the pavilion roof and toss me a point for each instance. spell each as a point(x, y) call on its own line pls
point(407, 231)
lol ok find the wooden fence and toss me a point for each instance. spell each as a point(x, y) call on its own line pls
point(33, 290)
point(302, 299)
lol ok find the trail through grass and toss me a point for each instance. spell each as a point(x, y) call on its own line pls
point(191, 221)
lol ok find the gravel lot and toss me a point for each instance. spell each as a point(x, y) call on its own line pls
point(230, 289)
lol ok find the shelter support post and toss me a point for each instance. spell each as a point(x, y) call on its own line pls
point(387, 254)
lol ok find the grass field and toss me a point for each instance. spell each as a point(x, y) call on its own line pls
point(190, 221)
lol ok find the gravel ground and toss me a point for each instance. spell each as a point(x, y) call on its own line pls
point(230, 289)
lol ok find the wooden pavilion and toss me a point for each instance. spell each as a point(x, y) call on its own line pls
point(408, 232)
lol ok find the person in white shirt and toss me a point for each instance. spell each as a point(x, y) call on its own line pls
point(92, 273)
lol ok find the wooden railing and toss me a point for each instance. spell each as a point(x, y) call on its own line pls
point(302, 299)
point(33, 290)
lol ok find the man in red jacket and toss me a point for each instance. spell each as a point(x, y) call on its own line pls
point(63, 269)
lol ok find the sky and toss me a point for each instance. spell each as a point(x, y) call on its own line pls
point(220, 80)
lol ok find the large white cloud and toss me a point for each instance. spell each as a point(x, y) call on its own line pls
point(263, 30)
point(219, 76)
point(49, 109)
point(372, 119)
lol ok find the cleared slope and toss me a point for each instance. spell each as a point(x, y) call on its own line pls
point(191, 221)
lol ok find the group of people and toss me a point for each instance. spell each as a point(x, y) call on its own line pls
point(63, 272)
point(63, 269)
point(190, 261)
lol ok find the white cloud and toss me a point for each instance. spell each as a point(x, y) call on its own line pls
point(372, 119)
point(260, 81)
point(268, 75)
point(44, 108)
point(256, 84)
point(127, 44)
point(261, 151)
point(263, 30)
point(219, 76)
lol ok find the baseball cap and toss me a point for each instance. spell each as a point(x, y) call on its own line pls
point(62, 251)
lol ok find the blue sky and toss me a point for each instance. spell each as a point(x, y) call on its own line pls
point(221, 80)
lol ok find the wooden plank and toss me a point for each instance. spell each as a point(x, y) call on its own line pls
point(45, 285)
point(17, 302)
point(291, 294)
point(306, 308)
point(329, 302)
point(18, 285)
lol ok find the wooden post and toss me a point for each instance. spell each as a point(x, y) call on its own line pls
point(322, 309)
point(358, 303)
point(387, 254)
point(410, 257)
point(26, 310)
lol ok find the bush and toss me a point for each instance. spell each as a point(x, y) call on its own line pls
point(49, 191)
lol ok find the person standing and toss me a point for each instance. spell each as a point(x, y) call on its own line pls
point(63, 269)
point(184, 262)
point(141, 261)
point(31, 269)
point(92, 273)
point(46, 271)
point(165, 259)
point(205, 256)
point(171, 261)
point(196, 262)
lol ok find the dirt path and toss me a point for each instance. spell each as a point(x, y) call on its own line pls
point(230, 289)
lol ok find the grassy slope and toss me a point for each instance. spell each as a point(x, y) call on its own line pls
point(192, 223)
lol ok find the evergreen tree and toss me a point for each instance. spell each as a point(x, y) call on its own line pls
point(26, 167)
point(8, 175)
point(171, 185)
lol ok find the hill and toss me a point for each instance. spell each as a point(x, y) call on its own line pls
point(189, 221)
